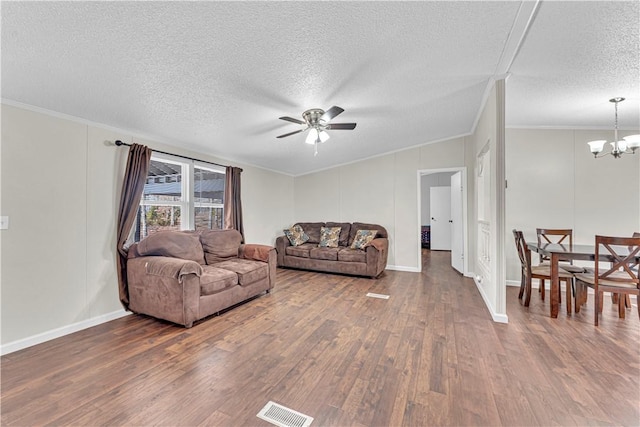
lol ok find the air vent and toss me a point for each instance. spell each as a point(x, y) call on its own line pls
point(372, 295)
point(284, 417)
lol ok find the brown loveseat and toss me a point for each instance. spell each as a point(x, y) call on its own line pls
point(184, 276)
point(370, 261)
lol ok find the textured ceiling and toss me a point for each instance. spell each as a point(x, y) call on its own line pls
point(215, 76)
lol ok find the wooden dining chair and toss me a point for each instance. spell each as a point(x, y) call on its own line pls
point(627, 300)
point(561, 236)
point(540, 272)
point(622, 256)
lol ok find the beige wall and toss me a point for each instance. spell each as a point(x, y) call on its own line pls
point(61, 182)
point(554, 182)
point(381, 190)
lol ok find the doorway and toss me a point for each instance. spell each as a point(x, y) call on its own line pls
point(450, 186)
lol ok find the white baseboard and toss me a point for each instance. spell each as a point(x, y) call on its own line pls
point(499, 318)
point(60, 332)
point(403, 268)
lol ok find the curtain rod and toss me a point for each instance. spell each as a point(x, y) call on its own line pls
point(119, 143)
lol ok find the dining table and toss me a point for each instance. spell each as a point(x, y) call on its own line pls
point(557, 252)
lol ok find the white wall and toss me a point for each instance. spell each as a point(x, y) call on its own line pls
point(554, 182)
point(381, 190)
point(486, 133)
point(441, 179)
point(61, 180)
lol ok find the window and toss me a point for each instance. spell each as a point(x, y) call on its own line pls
point(170, 202)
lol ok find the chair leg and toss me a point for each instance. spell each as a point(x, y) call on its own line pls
point(600, 301)
point(541, 289)
point(578, 296)
point(568, 296)
point(621, 306)
point(522, 284)
point(527, 287)
point(596, 304)
point(627, 300)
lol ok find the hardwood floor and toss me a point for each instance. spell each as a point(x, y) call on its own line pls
point(429, 355)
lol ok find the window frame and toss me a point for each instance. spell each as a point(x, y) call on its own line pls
point(187, 203)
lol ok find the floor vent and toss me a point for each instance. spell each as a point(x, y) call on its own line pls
point(372, 295)
point(284, 417)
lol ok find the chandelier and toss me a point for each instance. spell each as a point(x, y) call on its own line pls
point(626, 145)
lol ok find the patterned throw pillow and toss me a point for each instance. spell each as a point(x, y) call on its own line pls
point(329, 237)
point(296, 235)
point(363, 238)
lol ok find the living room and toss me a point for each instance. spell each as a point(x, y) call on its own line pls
point(58, 260)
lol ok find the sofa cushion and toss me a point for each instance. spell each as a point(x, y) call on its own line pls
point(300, 251)
point(248, 271)
point(219, 245)
point(296, 235)
point(382, 232)
point(345, 228)
point(329, 237)
point(216, 279)
point(352, 255)
point(330, 254)
point(174, 244)
point(363, 238)
point(312, 229)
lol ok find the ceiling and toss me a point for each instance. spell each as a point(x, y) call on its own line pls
point(215, 76)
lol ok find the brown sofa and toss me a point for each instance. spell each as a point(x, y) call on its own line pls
point(184, 276)
point(368, 262)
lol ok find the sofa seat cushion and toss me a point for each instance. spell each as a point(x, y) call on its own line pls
point(329, 254)
point(352, 255)
point(215, 279)
point(248, 271)
point(301, 251)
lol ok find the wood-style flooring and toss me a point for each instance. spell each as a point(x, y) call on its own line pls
point(429, 355)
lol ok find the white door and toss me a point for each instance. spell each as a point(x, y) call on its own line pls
point(457, 239)
point(440, 205)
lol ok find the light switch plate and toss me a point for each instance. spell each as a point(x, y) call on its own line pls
point(4, 222)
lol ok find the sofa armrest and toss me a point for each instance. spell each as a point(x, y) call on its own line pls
point(174, 268)
point(381, 243)
point(281, 244)
point(262, 253)
point(377, 256)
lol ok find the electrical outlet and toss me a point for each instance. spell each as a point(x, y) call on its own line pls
point(4, 222)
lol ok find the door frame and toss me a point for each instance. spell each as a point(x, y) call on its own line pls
point(465, 237)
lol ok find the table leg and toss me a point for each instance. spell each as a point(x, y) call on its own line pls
point(555, 285)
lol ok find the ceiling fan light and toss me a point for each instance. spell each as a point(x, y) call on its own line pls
point(312, 136)
point(323, 136)
point(596, 146)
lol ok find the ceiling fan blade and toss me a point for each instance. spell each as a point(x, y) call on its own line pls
point(290, 133)
point(291, 119)
point(331, 113)
point(343, 126)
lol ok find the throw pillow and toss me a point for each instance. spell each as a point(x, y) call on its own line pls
point(329, 237)
point(296, 235)
point(363, 238)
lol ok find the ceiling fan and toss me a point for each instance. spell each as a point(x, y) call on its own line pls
point(317, 122)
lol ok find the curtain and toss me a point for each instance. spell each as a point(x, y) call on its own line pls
point(232, 202)
point(132, 186)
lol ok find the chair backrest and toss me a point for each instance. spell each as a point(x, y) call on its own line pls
point(524, 253)
point(562, 236)
point(623, 256)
